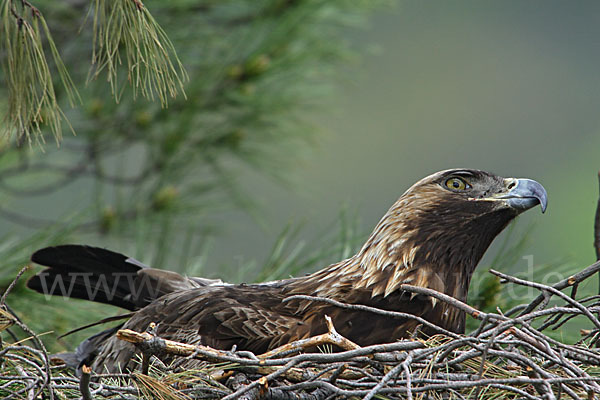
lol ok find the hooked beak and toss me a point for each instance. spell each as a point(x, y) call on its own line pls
point(525, 194)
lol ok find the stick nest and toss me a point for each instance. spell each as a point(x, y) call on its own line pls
point(509, 355)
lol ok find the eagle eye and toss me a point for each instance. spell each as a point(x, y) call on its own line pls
point(457, 184)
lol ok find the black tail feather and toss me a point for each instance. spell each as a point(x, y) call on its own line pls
point(86, 272)
point(100, 275)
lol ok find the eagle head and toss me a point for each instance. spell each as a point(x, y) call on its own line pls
point(439, 229)
point(451, 217)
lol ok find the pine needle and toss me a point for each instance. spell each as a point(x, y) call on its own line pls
point(125, 31)
point(32, 101)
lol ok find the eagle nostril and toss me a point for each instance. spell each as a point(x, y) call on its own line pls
point(512, 185)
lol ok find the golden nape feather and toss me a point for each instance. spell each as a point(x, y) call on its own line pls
point(432, 237)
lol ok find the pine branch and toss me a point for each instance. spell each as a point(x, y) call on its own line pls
point(32, 100)
point(125, 30)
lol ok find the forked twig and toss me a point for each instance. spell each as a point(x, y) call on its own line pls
point(331, 337)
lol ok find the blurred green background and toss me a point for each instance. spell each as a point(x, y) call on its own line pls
point(510, 87)
point(418, 86)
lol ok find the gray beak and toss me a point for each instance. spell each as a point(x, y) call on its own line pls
point(525, 194)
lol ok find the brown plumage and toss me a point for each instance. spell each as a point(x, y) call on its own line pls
point(433, 237)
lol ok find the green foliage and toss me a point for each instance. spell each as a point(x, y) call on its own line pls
point(119, 27)
point(152, 66)
point(32, 100)
point(291, 256)
point(255, 70)
point(488, 295)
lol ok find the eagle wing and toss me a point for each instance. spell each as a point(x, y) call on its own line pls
point(251, 317)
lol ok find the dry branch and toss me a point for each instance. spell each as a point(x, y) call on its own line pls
point(597, 226)
point(331, 337)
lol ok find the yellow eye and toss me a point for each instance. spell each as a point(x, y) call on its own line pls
point(457, 184)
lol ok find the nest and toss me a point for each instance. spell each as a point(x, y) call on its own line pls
point(510, 355)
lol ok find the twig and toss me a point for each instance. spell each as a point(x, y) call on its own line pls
point(597, 227)
point(84, 383)
point(12, 285)
point(261, 381)
point(390, 375)
point(597, 230)
point(170, 346)
point(475, 313)
point(570, 281)
point(549, 289)
point(331, 337)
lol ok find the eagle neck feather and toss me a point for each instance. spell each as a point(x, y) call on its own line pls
point(411, 246)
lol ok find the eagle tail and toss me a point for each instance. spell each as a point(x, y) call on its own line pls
point(86, 351)
point(89, 273)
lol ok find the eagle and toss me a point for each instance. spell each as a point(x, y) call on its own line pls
point(433, 237)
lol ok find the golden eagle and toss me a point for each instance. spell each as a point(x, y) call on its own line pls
point(433, 237)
